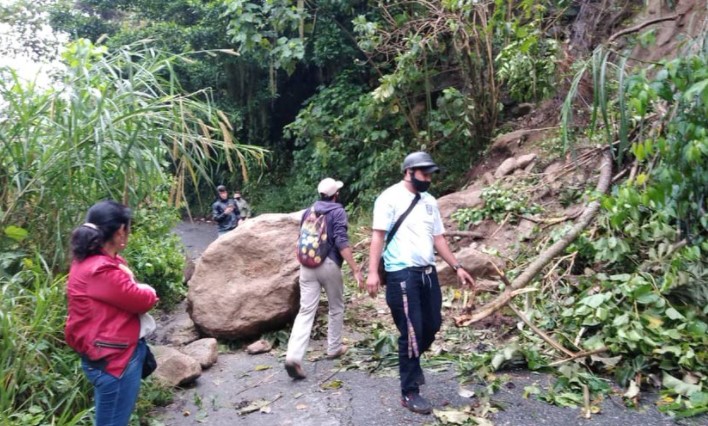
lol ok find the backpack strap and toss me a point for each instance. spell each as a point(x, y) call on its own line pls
point(398, 223)
point(307, 213)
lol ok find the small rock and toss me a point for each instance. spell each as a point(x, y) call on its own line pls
point(259, 347)
point(205, 351)
point(175, 368)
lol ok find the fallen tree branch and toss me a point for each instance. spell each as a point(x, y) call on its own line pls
point(547, 256)
point(490, 308)
point(638, 27)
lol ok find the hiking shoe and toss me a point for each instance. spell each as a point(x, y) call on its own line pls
point(295, 370)
point(342, 350)
point(416, 403)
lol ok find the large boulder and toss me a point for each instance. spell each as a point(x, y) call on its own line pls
point(468, 198)
point(246, 282)
point(476, 263)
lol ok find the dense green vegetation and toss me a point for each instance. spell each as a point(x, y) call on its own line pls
point(343, 88)
point(115, 125)
point(643, 292)
point(160, 100)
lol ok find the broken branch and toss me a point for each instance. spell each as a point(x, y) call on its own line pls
point(540, 332)
point(578, 355)
point(636, 28)
point(470, 234)
point(547, 256)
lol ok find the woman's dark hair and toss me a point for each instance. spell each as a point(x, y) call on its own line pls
point(102, 221)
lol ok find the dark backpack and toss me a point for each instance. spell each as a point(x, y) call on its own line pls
point(314, 244)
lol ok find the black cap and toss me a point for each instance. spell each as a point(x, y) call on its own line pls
point(221, 188)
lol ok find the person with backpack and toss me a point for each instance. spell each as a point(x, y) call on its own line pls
point(322, 247)
point(225, 211)
point(407, 230)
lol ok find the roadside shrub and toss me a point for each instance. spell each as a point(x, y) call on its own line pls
point(156, 255)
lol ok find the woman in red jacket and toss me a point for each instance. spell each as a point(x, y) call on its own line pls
point(104, 312)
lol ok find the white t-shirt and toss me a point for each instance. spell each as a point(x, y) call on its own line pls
point(412, 246)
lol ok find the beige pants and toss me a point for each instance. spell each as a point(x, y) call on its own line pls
point(329, 276)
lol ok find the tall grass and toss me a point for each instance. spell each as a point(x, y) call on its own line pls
point(116, 124)
point(41, 379)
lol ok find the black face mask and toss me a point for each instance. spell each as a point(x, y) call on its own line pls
point(419, 185)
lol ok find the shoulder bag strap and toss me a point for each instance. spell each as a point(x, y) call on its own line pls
point(397, 225)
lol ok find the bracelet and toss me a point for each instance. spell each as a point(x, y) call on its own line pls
point(456, 266)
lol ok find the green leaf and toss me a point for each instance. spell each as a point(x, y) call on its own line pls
point(676, 350)
point(679, 386)
point(674, 314)
point(16, 233)
point(595, 300)
point(621, 320)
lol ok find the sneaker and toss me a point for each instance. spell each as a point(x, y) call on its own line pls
point(294, 370)
point(416, 403)
point(342, 350)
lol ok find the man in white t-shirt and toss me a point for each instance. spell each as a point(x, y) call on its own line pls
point(412, 288)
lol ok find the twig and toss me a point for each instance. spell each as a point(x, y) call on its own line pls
point(586, 400)
point(636, 28)
point(471, 234)
point(538, 331)
point(578, 355)
point(255, 385)
point(582, 331)
point(330, 376)
point(619, 175)
point(506, 219)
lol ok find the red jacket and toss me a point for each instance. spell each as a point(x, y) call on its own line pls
point(104, 307)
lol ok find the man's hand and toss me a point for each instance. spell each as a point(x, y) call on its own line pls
point(465, 278)
point(359, 279)
point(372, 284)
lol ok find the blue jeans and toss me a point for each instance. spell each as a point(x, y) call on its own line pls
point(422, 291)
point(116, 396)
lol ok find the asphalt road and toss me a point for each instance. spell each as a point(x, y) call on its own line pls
point(244, 389)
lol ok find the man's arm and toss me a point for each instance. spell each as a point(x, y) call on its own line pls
point(375, 250)
point(217, 212)
point(444, 251)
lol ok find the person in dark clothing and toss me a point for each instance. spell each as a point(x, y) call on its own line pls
point(412, 289)
point(327, 275)
point(225, 211)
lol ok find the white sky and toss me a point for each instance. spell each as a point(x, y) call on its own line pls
point(21, 61)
